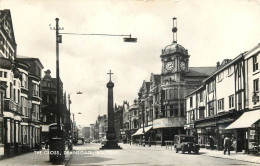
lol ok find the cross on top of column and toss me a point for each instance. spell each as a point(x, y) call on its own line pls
point(110, 75)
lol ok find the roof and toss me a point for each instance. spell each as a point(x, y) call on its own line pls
point(174, 48)
point(201, 71)
point(21, 57)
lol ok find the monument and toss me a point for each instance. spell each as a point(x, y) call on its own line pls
point(110, 133)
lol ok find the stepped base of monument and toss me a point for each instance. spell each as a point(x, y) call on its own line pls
point(110, 145)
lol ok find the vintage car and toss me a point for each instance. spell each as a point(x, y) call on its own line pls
point(185, 143)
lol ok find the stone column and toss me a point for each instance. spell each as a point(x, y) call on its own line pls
point(110, 133)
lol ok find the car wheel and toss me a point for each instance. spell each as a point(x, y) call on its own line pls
point(176, 150)
point(189, 151)
point(196, 152)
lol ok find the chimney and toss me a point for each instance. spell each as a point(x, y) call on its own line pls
point(218, 64)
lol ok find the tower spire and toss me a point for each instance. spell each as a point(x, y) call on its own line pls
point(174, 30)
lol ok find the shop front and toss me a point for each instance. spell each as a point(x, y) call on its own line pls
point(247, 128)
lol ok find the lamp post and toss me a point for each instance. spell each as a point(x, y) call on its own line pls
point(59, 147)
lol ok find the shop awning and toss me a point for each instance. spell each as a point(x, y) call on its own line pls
point(140, 131)
point(245, 120)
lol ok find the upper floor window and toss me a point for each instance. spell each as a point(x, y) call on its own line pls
point(231, 101)
point(230, 71)
point(256, 85)
point(35, 90)
point(201, 96)
point(221, 104)
point(211, 108)
point(191, 102)
point(211, 86)
point(220, 76)
point(24, 80)
point(255, 63)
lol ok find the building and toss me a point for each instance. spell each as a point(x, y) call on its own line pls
point(34, 98)
point(10, 82)
point(118, 121)
point(86, 133)
point(247, 126)
point(162, 100)
point(92, 131)
point(217, 103)
point(49, 103)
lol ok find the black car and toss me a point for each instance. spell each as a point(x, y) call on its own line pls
point(185, 143)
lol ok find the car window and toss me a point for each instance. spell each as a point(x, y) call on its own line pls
point(187, 139)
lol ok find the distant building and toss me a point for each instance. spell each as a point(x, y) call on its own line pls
point(86, 133)
point(118, 121)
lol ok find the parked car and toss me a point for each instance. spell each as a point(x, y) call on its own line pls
point(80, 141)
point(185, 143)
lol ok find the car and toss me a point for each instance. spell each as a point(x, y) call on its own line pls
point(80, 141)
point(185, 143)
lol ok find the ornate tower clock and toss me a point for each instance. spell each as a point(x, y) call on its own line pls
point(175, 59)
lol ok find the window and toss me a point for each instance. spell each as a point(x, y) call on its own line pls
point(201, 96)
point(220, 76)
point(190, 102)
point(256, 85)
point(230, 71)
point(221, 104)
point(211, 108)
point(231, 101)
point(239, 101)
point(1, 74)
point(255, 63)
point(201, 113)
point(5, 74)
point(24, 81)
point(211, 86)
point(35, 90)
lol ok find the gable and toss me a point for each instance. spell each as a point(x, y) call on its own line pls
point(6, 26)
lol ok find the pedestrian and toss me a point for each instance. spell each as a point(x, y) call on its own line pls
point(46, 143)
point(211, 142)
point(222, 142)
point(149, 141)
point(227, 145)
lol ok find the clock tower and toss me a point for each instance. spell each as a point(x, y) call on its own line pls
point(175, 59)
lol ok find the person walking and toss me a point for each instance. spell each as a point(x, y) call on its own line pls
point(211, 142)
point(227, 145)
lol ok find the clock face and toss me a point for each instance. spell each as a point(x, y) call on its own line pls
point(169, 66)
point(182, 66)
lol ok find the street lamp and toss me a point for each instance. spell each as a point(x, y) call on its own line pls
point(58, 146)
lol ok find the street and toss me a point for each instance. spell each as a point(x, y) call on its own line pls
point(137, 155)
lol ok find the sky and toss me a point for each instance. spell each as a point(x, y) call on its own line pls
point(211, 30)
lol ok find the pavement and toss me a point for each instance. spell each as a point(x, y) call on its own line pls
point(233, 155)
point(42, 157)
point(36, 158)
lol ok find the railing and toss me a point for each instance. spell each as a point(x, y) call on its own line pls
point(147, 143)
point(169, 144)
